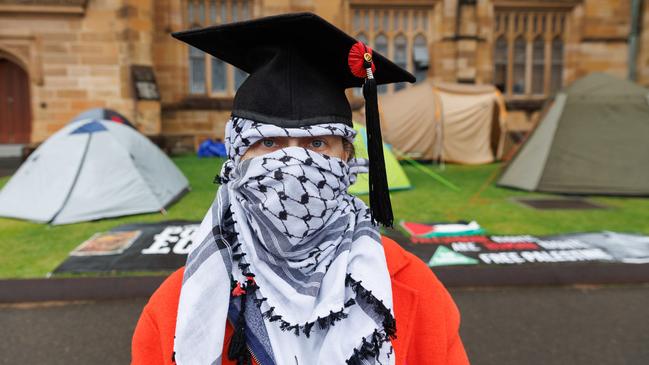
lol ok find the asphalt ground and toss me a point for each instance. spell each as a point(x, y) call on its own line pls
point(542, 325)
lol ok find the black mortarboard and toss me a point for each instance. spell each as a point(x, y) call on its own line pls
point(300, 66)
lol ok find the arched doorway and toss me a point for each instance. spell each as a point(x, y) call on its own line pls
point(15, 110)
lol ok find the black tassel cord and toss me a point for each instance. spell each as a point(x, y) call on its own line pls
point(380, 205)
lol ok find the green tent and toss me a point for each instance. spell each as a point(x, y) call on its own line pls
point(397, 178)
point(594, 139)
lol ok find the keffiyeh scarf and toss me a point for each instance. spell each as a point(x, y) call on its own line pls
point(289, 257)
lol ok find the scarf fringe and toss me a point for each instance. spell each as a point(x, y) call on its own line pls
point(306, 328)
point(369, 349)
point(389, 323)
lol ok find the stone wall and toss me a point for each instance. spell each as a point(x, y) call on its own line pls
point(604, 33)
point(138, 34)
point(81, 58)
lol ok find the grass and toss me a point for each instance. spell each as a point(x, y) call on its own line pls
point(495, 210)
point(33, 250)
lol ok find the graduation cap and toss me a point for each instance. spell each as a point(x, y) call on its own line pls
point(299, 66)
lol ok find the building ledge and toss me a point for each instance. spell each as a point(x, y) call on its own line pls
point(64, 7)
point(200, 103)
point(527, 105)
point(393, 3)
point(226, 103)
point(536, 4)
point(460, 37)
point(611, 39)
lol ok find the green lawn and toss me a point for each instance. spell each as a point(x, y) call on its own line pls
point(33, 250)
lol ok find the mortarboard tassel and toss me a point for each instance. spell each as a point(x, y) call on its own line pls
point(361, 65)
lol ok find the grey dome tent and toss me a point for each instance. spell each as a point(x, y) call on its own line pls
point(88, 170)
point(593, 140)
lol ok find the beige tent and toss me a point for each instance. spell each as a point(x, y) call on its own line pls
point(451, 122)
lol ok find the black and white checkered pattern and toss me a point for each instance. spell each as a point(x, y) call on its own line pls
point(314, 252)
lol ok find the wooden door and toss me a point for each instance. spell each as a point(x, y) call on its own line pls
point(15, 111)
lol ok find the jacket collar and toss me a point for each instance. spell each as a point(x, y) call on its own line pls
point(395, 256)
point(405, 298)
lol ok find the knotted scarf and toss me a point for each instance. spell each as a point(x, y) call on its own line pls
point(289, 258)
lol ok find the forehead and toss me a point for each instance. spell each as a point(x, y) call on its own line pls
point(329, 137)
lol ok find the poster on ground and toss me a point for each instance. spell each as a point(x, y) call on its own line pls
point(494, 250)
point(164, 246)
point(159, 246)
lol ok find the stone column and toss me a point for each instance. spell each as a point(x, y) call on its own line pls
point(138, 37)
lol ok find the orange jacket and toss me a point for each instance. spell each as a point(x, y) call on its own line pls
point(427, 318)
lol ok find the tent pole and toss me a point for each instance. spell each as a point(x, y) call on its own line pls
point(434, 175)
point(426, 171)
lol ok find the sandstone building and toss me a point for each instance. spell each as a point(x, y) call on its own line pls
point(60, 57)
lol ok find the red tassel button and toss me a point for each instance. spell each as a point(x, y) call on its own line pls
point(358, 55)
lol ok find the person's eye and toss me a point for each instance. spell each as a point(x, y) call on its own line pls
point(268, 143)
point(317, 143)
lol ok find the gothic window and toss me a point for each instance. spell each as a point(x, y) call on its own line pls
point(381, 46)
point(400, 56)
point(213, 11)
point(518, 85)
point(190, 14)
point(356, 20)
point(500, 64)
point(528, 51)
point(219, 75)
point(420, 57)
point(538, 66)
point(196, 71)
point(363, 38)
point(209, 75)
point(401, 33)
point(557, 65)
point(377, 20)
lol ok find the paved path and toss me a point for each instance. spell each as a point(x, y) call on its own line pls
point(500, 326)
point(556, 325)
point(71, 334)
